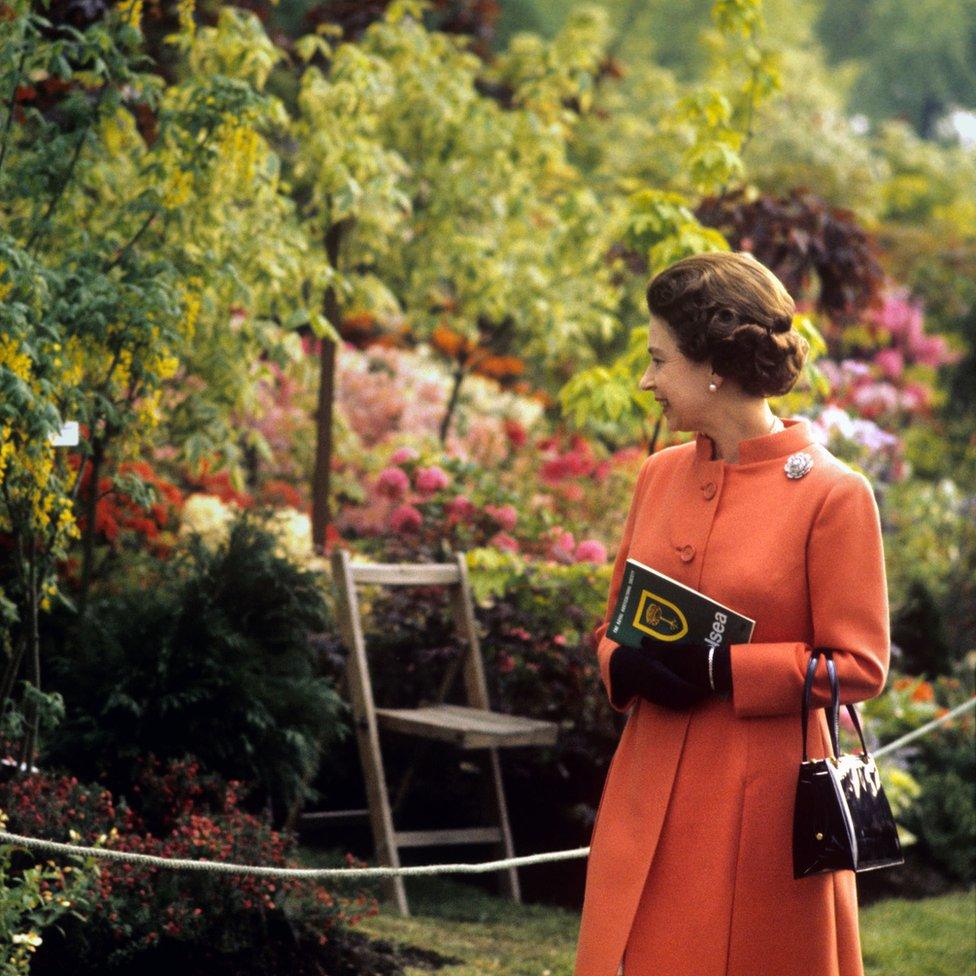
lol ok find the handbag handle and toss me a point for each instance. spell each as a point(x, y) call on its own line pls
point(834, 715)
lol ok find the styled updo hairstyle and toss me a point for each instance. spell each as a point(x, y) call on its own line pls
point(728, 309)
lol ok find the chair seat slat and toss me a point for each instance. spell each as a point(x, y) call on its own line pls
point(405, 574)
point(468, 728)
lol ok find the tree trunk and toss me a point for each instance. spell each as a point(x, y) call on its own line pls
point(321, 515)
point(452, 403)
point(88, 542)
point(29, 747)
point(321, 478)
point(652, 447)
point(11, 671)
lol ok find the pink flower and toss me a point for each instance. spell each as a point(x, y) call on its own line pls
point(562, 546)
point(626, 456)
point(560, 640)
point(403, 454)
point(521, 633)
point(505, 515)
point(392, 483)
point(915, 396)
point(502, 540)
point(460, 508)
point(891, 361)
point(572, 492)
point(933, 351)
point(405, 518)
point(592, 551)
point(429, 480)
point(873, 399)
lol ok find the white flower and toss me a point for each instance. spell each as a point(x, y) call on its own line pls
point(208, 516)
point(293, 530)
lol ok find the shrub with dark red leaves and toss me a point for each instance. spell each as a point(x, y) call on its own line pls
point(802, 238)
point(176, 812)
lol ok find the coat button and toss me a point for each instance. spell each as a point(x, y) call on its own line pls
point(708, 490)
point(687, 553)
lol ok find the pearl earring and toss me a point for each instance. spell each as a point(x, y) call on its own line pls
point(712, 387)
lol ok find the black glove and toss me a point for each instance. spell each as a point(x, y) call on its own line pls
point(689, 661)
point(635, 672)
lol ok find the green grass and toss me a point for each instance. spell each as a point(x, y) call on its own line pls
point(931, 937)
point(494, 937)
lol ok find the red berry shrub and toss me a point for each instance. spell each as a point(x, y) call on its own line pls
point(176, 812)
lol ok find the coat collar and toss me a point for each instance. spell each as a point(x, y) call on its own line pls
point(796, 434)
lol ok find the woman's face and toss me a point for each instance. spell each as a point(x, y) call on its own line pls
point(679, 384)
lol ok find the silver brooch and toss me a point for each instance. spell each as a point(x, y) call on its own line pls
point(797, 465)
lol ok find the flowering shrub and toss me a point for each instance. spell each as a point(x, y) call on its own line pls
point(383, 392)
point(33, 898)
point(941, 764)
point(857, 440)
point(433, 503)
point(176, 813)
point(125, 512)
point(900, 321)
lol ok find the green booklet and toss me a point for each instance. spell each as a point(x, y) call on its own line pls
point(650, 604)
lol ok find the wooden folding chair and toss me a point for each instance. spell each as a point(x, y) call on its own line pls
point(471, 726)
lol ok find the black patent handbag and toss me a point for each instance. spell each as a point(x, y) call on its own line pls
point(842, 819)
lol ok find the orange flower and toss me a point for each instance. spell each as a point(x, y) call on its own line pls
point(923, 693)
point(360, 321)
point(500, 367)
point(447, 341)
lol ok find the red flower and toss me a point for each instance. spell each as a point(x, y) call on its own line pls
point(460, 509)
point(515, 433)
point(504, 662)
point(405, 518)
point(281, 493)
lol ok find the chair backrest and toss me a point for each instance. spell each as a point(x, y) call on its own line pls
point(453, 575)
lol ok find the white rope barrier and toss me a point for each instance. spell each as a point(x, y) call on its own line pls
point(922, 729)
point(220, 867)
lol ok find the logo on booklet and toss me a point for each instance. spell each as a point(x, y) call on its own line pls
point(659, 617)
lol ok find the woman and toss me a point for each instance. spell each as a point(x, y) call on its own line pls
point(690, 867)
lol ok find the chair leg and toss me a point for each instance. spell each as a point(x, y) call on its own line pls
point(380, 817)
point(509, 879)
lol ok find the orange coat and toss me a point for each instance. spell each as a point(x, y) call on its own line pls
point(690, 868)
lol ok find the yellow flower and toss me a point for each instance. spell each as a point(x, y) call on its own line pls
point(166, 366)
point(179, 185)
point(184, 9)
point(131, 11)
point(191, 304)
point(19, 363)
point(147, 410)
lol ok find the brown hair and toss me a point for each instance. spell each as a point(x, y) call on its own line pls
point(728, 309)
